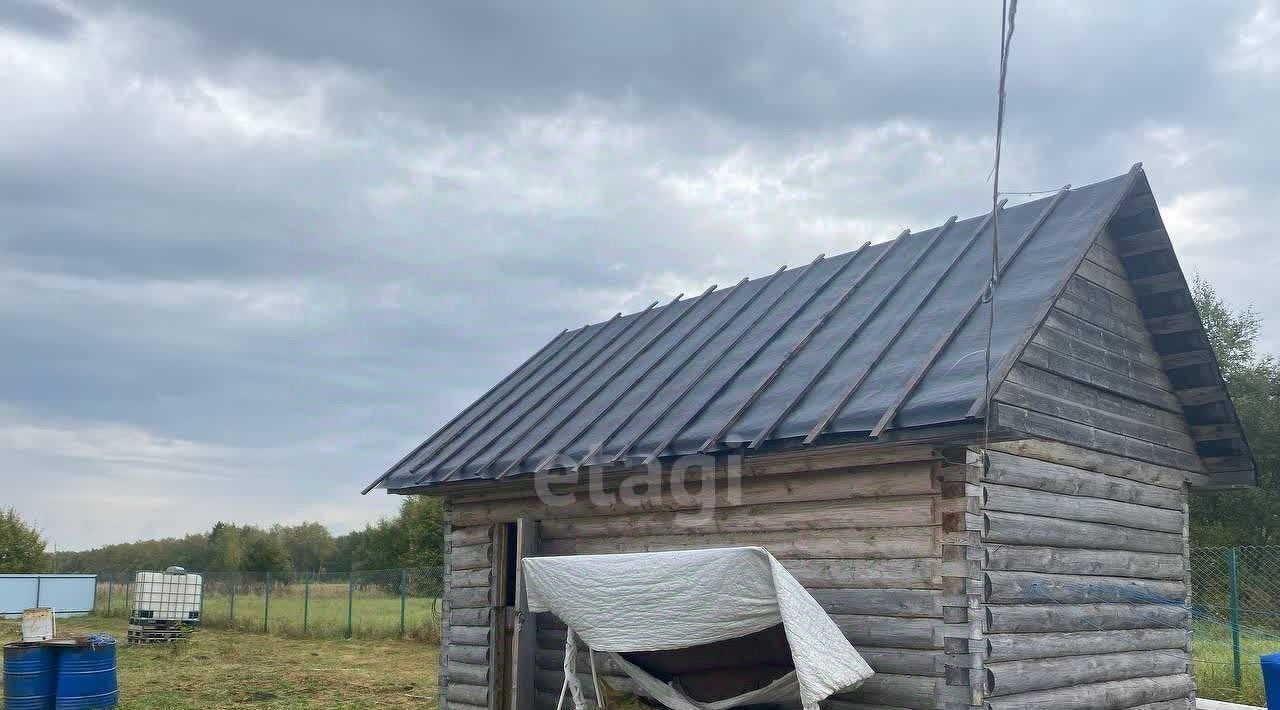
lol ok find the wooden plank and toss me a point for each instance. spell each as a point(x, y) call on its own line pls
point(1034, 587)
point(1081, 330)
point(591, 421)
point(1030, 619)
point(1015, 353)
point(472, 578)
point(469, 636)
point(1011, 470)
point(470, 694)
point(880, 602)
point(469, 654)
point(713, 441)
point(1176, 323)
point(1101, 276)
point(905, 393)
point(1143, 243)
point(1072, 410)
point(847, 484)
point(1104, 357)
point(1062, 430)
point(1010, 499)
point(1016, 677)
point(526, 622)
point(478, 616)
point(763, 341)
point(1114, 409)
point(909, 511)
point(1014, 647)
point(467, 673)
point(1134, 331)
point(1102, 255)
point(856, 381)
point(890, 631)
point(461, 445)
point(1193, 396)
point(469, 597)
point(894, 690)
point(1106, 301)
point(867, 316)
point(1159, 283)
point(918, 573)
point(1114, 563)
point(471, 535)
point(465, 557)
point(1100, 696)
point(1044, 357)
point(1016, 529)
point(848, 543)
point(1091, 460)
point(662, 360)
point(597, 361)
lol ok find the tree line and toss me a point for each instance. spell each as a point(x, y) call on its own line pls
point(412, 539)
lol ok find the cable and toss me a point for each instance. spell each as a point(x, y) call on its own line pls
point(1008, 13)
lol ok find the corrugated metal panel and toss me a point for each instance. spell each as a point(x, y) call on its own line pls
point(889, 336)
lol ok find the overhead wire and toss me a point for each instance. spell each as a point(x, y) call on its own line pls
point(1008, 13)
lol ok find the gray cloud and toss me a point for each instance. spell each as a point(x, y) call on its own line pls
point(253, 253)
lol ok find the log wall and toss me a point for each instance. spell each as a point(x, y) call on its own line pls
point(863, 534)
point(1091, 375)
point(1041, 576)
point(1084, 576)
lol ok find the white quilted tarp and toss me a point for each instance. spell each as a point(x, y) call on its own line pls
point(657, 601)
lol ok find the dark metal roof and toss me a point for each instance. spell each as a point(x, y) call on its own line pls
point(889, 336)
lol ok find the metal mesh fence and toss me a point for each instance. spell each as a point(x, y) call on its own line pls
point(388, 603)
point(1235, 593)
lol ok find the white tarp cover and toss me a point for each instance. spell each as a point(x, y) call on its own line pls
point(658, 601)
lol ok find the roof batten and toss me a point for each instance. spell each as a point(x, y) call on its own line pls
point(462, 447)
point(1007, 362)
point(856, 381)
point(769, 428)
point(905, 393)
point(709, 366)
point(596, 360)
point(608, 407)
point(800, 344)
point(763, 342)
point(653, 393)
point(598, 388)
point(440, 432)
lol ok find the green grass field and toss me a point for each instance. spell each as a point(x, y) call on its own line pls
point(230, 669)
point(1215, 675)
point(221, 668)
point(317, 612)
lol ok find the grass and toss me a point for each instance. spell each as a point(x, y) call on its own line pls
point(221, 668)
point(1212, 655)
point(230, 669)
point(318, 612)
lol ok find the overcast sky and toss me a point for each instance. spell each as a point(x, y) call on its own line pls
point(251, 253)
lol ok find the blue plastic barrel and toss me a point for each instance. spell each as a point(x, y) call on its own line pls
point(87, 675)
point(28, 676)
point(1271, 678)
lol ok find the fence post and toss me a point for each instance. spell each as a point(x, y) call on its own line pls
point(234, 579)
point(266, 603)
point(306, 599)
point(1233, 580)
point(201, 619)
point(351, 598)
point(109, 586)
point(37, 590)
point(404, 590)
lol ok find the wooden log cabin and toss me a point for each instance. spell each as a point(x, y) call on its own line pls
point(1020, 544)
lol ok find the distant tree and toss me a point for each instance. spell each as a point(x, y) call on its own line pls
point(421, 520)
point(263, 552)
point(309, 545)
point(21, 547)
point(1247, 517)
point(226, 549)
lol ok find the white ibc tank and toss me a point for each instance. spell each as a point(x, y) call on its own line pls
point(167, 596)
